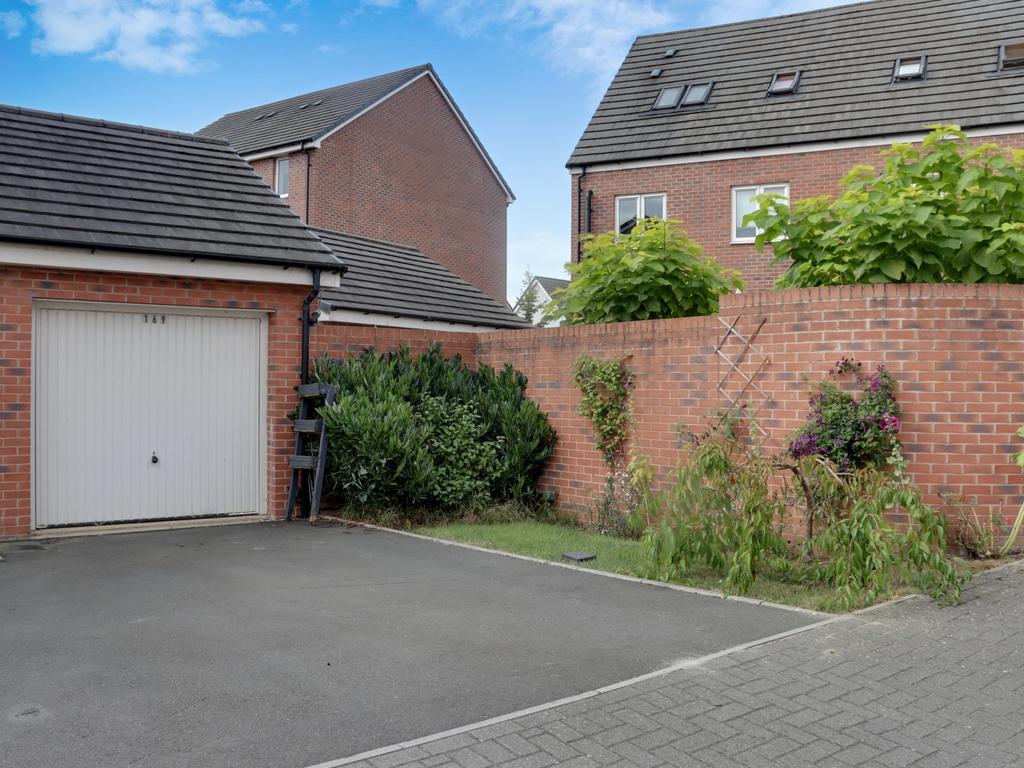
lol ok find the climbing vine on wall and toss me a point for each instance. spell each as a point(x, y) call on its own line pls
point(605, 385)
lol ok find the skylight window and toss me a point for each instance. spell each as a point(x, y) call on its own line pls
point(656, 72)
point(1011, 56)
point(910, 68)
point(668, 98)
point(697, 94)
point(670, 52)
point(265, 115)
point(784, 82)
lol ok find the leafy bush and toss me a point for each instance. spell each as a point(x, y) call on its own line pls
point(850, 432)
point(655, 271)
point(727, 508)
point(720, 513)
point(941, 212)
point(866, 557)
point(431, 432)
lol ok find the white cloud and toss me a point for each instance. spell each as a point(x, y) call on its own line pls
point(289, 27)
point(155, 35)
point(581, 36)
point(11, 23)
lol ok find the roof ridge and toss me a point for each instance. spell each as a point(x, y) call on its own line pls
point(427, 67)
point(82, 120)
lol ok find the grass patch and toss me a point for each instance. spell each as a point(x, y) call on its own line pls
point(614, 555)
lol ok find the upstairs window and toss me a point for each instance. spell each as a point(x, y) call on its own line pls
point(909, 68)
point(281, 177)
point(744, 203)
point(668, 98)
point(629, 209)
point(784, 82)
point(1011, 56)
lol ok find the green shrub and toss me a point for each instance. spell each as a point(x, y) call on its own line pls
point(430, 432)
point(655, 271)
point(941, 212)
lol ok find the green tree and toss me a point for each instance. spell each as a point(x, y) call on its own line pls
point(529, 303)
point(940, 212)
point(654, 272)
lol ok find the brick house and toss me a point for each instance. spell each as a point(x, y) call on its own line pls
point(391, 157)
point(697, 122)
point(158, 309)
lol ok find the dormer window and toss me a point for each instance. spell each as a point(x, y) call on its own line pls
point(909, 68)
point(784, 82)
point(697, 94)
point(668, 98)
point(1011, 56)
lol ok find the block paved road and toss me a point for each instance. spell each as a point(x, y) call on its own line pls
point(907, 684)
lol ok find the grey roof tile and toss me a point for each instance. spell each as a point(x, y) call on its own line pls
point(551, 284)
point(78, 181)
point(846, 54)
point(399, 281)
point(256, 129)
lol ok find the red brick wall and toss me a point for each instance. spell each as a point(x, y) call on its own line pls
point(957, 353)
point(407, 172)
point(342, 339)
point(700, 195)
point(19, 286)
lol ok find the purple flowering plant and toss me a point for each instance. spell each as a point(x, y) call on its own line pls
point(852, 431)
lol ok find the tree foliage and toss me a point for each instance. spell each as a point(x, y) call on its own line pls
point(654, 272)
point(530, 304)
point(940, 212)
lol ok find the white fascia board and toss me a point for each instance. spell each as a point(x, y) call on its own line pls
point(280, 152)
point(348, 317)
point(458, 116)
point(793, 149)
point(69, 257)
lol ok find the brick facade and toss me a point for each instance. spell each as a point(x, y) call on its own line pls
point(407, 172)
point(956, 352)
point(19, 286)
point(700, 196)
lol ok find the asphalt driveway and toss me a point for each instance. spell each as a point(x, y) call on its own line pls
point(285, 645)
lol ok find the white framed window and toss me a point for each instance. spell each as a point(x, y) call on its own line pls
point(743, 203)
point(629, 209)
point(281, 177)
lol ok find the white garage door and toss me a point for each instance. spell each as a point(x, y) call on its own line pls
point(146, 414)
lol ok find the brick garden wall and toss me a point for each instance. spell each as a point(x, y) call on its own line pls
point(957, 353)
point(700, 195)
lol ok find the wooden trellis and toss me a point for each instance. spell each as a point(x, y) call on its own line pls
point(734, 368)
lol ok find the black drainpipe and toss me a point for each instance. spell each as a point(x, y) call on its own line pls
point(309, 193)
point(306, 323)
point(579, 213)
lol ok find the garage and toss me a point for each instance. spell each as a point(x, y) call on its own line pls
point(146, 413)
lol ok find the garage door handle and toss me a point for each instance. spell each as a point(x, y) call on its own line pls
point(155, 459)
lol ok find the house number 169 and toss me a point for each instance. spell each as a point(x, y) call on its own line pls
point(154, 318)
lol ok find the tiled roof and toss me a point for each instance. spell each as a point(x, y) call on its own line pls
point(399, 281)
point(75, 181)
point(846, 56)
point(307, 117)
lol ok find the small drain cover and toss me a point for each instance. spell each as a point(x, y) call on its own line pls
point(578, 557)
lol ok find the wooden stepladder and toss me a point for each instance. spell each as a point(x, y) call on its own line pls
point(308, 468)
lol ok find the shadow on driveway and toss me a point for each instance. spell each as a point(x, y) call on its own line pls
point(282, 645)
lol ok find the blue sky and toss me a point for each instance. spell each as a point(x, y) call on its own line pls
point(527, 73)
